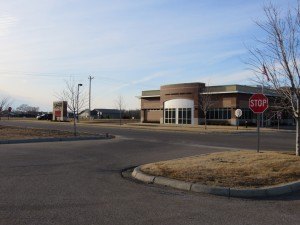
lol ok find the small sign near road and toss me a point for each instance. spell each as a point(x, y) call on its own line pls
point(238, 113)
point(279, 115)
point(258, 103)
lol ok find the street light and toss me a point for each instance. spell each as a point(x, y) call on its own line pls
point(78, 100)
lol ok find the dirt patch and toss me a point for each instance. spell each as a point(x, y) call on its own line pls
point(241, 169)
point(14, 133)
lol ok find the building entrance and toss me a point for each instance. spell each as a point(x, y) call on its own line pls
point(179, 111)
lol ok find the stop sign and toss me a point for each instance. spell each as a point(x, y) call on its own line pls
point(258, 103)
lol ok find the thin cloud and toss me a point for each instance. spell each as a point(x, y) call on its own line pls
point(238, 77)
point(145, 79)
point(6, 24)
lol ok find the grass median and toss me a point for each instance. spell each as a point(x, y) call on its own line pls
point(241, 169)
point(14, 133)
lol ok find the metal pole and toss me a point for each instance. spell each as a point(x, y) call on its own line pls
point(77, 103)
point(90, 87)
point(297, 127)
point(262, 115)
point(258, 134)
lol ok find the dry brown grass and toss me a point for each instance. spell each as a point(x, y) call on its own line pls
point(231, 169)
point(13, 133)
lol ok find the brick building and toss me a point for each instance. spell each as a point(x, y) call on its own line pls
point(179, 104)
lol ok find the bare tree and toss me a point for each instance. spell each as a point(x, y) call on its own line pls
point(75, 98)
point(275, 59)
point(26, 108)
point(120, 104)
point(206, 104)
point(4, 104)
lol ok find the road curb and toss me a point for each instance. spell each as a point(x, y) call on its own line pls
point(270, 191)
point(39, 140)
point(173, 183)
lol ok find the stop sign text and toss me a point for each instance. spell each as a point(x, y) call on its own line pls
point(258, 102)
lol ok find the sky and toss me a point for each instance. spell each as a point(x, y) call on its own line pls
point(126, 45)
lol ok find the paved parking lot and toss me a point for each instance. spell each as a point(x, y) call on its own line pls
point(80, 182)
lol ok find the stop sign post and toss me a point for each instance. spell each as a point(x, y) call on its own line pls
point(258, 103)
point(279, 116)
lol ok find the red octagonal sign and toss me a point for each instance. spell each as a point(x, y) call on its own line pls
point(258, 103)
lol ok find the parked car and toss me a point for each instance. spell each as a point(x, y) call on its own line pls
point(45, 116)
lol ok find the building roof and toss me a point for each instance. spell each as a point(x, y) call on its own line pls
point(220, 89)
point(235, 88)
point(184, 84)
point(107, 110)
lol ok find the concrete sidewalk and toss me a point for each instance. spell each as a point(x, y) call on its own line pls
point(190, 128)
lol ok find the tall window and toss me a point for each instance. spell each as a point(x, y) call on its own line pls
point(170, 115)
point(184, 115)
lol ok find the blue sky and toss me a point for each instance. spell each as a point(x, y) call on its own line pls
point(127, 45)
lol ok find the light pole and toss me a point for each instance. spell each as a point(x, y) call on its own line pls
point(90, 78)
point(78, 101)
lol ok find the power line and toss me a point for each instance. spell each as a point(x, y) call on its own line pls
point(23, 74)
point(54, 75)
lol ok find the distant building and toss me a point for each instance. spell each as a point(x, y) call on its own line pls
point(101, 114)
point(179, 104)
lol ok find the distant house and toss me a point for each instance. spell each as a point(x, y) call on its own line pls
point(101, 114)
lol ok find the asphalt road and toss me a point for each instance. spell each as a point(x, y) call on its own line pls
point(282, 141)
point(80, 182)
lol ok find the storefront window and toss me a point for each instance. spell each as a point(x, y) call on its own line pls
point(219, 113)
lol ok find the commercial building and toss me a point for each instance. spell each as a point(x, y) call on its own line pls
point(181, 104)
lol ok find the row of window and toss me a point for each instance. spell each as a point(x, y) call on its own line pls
point(185, 114)
point(219, 113)
point(225, 114)
point(183, 93)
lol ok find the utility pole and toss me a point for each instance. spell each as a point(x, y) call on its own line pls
point(77, 101)
point(90, 86)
